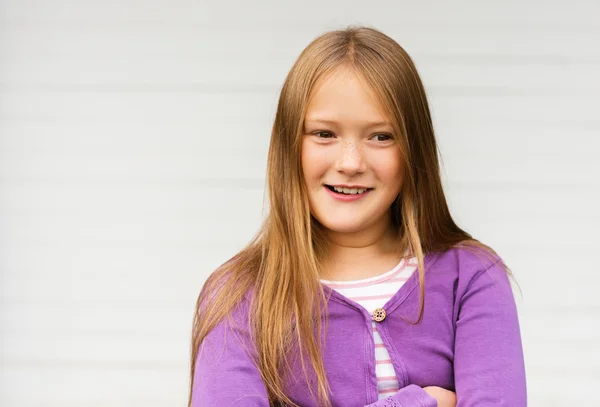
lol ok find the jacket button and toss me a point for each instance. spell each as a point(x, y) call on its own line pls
point(379, 314)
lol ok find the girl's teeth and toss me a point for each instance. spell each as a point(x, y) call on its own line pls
point(350, 191)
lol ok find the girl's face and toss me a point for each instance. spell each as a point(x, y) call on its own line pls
point(351, 164)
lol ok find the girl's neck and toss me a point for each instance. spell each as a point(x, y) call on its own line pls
point(355, 258)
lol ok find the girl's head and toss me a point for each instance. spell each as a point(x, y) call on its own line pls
point(352, 164)
point(353, 112)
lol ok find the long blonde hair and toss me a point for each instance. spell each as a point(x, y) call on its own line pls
point(281, 263)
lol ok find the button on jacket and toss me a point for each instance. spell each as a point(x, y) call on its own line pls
point(468, 341)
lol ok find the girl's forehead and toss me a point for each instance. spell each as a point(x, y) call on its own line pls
point(344, 95)
point(339, 77)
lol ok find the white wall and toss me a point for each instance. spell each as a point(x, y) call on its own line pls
point(133, 139)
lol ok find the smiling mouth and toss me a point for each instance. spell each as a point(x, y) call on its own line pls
point(348, 191)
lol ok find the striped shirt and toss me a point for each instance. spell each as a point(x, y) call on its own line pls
point(372, 293)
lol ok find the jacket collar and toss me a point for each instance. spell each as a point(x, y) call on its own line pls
point(398, 298)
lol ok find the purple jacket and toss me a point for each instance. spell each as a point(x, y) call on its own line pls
point(468, 342)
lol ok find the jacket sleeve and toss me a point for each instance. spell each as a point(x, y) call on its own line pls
point(488, 355)
point(225, 373)
point(489, 368)
point(409, 396)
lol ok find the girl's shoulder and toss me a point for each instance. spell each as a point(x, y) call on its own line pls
point(466, 261)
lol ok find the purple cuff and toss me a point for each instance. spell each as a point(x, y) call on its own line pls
point(409, 396)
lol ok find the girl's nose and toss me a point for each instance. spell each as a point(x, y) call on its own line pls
point(350, 160)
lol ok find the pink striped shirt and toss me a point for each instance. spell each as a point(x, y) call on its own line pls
point(372, 293)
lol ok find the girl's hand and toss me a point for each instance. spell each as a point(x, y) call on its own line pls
point(445, 398)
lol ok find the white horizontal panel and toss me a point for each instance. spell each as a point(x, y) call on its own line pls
point(113, 280)
point(193, 264)
point(153, 279)
point(496, 167)
point(191, 228)
point(175, 200)
point(187, 167)
point(539, 284)
point(281, 15)
point(96, 284)
point(177, 72)
point(104, 280)
point(66, 348)
point(81, 323)
point(103, 230)
point(108, 350)
point(220, 136)
point(569, 357)
point(163, 322)
point(488, 75)
point(197, 109)
point(211, 109)
point(129, 279)
point(524, 202)
point(180, 198)
point(72, 329)
point(148, 58)
point(158, 322)
point(544, 269)
point(190, 201)
point(476, 110)
point(492, 167)
point(252, 138)
point(532, 234)
point(72, 385)
point(517, 139)
point(564, 388)
point(539, 326)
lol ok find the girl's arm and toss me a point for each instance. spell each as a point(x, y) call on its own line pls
point(488, 355)
point(489, 369)
point(225, 374)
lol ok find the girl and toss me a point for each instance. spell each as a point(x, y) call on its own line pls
point(359, 289)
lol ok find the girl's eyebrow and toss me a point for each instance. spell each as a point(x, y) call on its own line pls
point(368, 123)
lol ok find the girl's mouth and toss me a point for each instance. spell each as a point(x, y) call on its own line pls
point(348, 191)
point(347, 194)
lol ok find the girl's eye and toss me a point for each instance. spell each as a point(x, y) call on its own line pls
point(384, 137)
point(323, 134)
point(327, 135)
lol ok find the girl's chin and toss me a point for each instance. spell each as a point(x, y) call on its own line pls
point(344, 227)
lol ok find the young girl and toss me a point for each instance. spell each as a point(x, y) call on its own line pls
point(359, 289)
